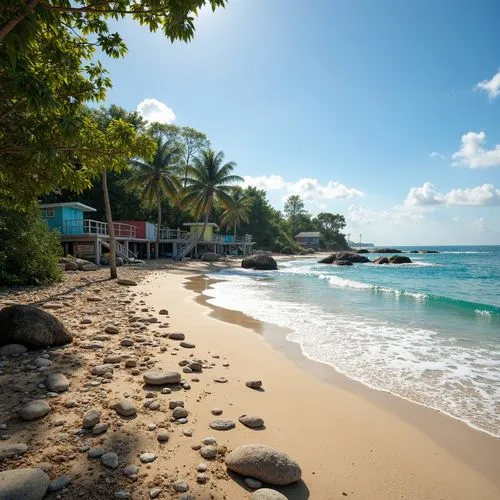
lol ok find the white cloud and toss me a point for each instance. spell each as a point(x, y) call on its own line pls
point(491, 87)
point(267, 182)
point(435, 154)
point(472, 154)
point(307, 188)
point(312, 190)
point(481, 223)
point(396, 216)
point(154, 110)
point(485, 195)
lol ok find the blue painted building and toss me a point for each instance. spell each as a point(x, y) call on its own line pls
point(66, 217)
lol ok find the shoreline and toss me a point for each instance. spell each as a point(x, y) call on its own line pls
point(347, 438)
point(457, 436)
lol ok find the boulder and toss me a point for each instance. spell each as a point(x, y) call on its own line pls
point(381, 260)
point(386, 250)
point(267, 494)
point(343, 263)
point(361, 250)
point(343, 256)
point(400, 259)
point(156, 377)
point(264, 463)
point(210, 257)
point(34, 409)
point(12, 350)
point(23, 484)
point(70, 266)
point(12, 450)
point(57, 382)
point(31, 327)
point(261, 262)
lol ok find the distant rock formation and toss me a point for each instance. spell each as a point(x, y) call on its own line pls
point(381, 260)
point(343, 256)
point(400, 259)
point(385, 250)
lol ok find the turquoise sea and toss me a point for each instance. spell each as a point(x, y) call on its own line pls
point(427, 331)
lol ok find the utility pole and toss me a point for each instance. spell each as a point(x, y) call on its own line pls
point(359, 239)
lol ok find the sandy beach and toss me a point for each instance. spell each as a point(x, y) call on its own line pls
point(350, 441)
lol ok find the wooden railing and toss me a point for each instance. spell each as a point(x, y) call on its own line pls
point(89, 226)
point(173, 234)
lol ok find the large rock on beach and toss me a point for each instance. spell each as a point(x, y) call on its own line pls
point(261, 262)
point(23, 484)
point(264, 463)
point(31, 327)
point(209, 257)
point(335, 257)
point(34, 409)
point(157, 377)
point(400, 259)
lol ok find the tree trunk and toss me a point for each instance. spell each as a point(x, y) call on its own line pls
point(111, 229)
point(158, 227)
point(12, 22)
point(205, 224)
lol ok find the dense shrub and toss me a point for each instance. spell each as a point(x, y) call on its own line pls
point(28, 250)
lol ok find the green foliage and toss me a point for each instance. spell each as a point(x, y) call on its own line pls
point(28, 250)
point(237, 211)
point(295, 211)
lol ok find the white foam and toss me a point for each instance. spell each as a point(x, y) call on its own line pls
point(461, 379)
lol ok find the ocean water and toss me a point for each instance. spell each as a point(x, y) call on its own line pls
point(428, 331)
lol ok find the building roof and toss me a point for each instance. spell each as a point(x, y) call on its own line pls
point(213, 224)
point(308, 234)
point(70, 204)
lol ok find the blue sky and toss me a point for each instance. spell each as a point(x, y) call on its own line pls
point(370, 109)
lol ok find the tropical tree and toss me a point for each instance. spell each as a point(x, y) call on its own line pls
point(294, 208)
point(209, 180)
point(237, 211)
point(158, 178)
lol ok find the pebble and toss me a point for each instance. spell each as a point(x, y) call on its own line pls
point(12, 450)
point(175, 404)
point(147, 458)
point(201, 478)
point(176, 336)
point(222, 425)
point(163, 312)
point(267, 494)
point(96, 452)
point(86, 321)
point(125, 408)
point(187, 345)
point(42, 362)
point(154, 492)
point(57, 382)
point(127, 343)
point(21, 484)
point(34, 409)
point(12, 350)
point(112, 329)
point(217, 411)
point(163, 436)
point(113, 358)
point(130, 470)
point(100, 428)
point(179, 412)
point(91, 418)
point(155, 405)
point(188, 432)
point(254, 384)
point(253, 483)
point(156, 377)
point(209, 441)
point(166, 390)
point(220, 380)
point(208, 452)
point(180, 486)
point(102, 369)
point(59, 483)
point(202, 467)
point(251, 421)
point(122, 494)
point(110, 460)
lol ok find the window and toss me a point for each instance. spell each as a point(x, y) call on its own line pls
point(47, 213)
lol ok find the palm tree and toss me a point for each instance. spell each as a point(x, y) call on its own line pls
point(158, 178)
point(209, 180)
point(238, 210)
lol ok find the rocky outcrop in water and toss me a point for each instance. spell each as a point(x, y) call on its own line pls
point(261, 262)
point(336, 257)
point(400, 259)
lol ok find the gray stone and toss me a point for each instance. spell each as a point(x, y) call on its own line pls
point(110, 460)
point(251, 421)
point(57, 382)
point(264, 463)
point(125, 408)
point(157, 377)
point(130, 470)
point(216, 411)
point(91, 418)
point(155, 492)
point(102, 369)
point(122, 494)
point(180, 486)
point(31, 327)
point(208, 452)
point(12, 450)
point(96, 452)
point(196, 366)
point(222, 425)
point(126, 282)
point(209, 440)
point(23, 484)
point(180, 412)
point(187, 345)
point(220, 380)
point(254, 384)
point(147, 458)
point(252, 483)
point(176, 336)
point(130, 363)
point(175, 404)
point(202, 467)
point(12, 350)
point(127, 343)
point(42, 362)
point(267, 494)
point(163, 436)
point(201, 478)
point(59, 483)
point(34, 409)
point(112, 329)
point(100, 428)
point(113, 359)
